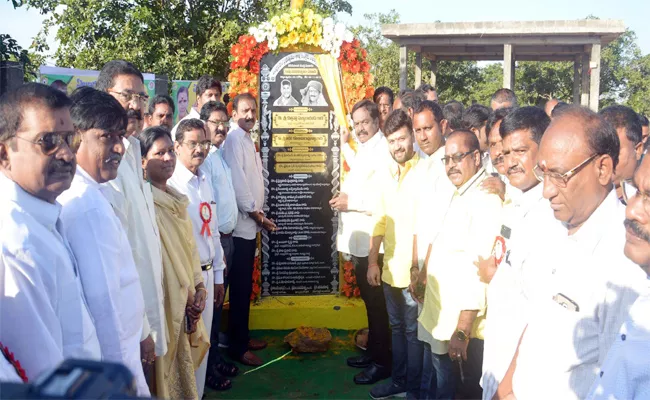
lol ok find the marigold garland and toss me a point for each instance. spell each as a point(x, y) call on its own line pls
point(350, 287)
point(298, 28)
point(257, 274)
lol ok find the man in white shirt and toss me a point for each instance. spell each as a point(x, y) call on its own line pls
point(132, 202)
point(108, 273)
point(246, 168)
point(628, 128)
point(207, 89)
point(191, 147)
point(355, 203)
point(625, 373)
point(43, 313)
point(522, 130)
point(215, 117)
point(579, 290)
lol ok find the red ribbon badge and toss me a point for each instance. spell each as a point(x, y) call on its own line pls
point(206, 216)
point(499, 249)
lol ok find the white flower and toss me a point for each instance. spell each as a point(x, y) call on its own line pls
point(273, 43)
point(252, 30)
point(328, 22)
point(336, 52)
point(348, 37)
point(339, 29)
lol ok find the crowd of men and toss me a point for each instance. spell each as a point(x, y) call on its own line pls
point(501, 252)
point(494, 251)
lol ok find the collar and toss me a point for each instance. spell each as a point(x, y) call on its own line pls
point(85, 177)
point(184, 174)
point(394, 168)
point(194, 114)
point(608, 214)
point(43, 212)
point(474, 180)
point(238, 128)
point(527, 200)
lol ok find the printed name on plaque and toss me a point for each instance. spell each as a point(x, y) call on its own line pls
point(299, 147)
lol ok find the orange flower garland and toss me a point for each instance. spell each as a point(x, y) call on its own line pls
point(350, 287)
point(247, 53)
point(357, 80)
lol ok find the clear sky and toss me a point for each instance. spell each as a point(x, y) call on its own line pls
point(23, 25)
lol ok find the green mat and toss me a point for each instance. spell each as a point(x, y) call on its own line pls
point(305, 376)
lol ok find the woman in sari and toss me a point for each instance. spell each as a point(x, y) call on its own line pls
point(183, 287)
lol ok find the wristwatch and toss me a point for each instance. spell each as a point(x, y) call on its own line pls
point(462, 336)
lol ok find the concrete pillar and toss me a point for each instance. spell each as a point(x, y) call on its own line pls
point(576, 78)
point(434, 72)
point(594, 71)
point(418, 69)
point(584, 80)
point(11, 75)
point(402, 67)
point(508, 67)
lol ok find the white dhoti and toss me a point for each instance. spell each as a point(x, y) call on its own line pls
point(208, 279)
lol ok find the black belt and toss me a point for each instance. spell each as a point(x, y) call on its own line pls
point(225, 235)
point(207, 266)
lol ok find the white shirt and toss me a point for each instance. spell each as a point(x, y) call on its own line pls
point(108, 273)
point(625, 374)
point(355, 225)
point(218, 172)
point(43, 314)
point(199, 191)
point(562, 350)
point(192, 114)
point(524, 221)
point(246, 167)
point(132, 201)
point(437, 191)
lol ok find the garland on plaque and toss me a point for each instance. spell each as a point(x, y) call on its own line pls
point(345, 74)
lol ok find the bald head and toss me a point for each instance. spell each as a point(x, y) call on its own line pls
point(467, 138)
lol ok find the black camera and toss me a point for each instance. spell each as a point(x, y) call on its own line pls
point(77, 379)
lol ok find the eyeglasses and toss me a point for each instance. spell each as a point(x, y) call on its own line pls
point(220, 123)
point(204, 145)
point(561, 180)
point(128, 97)
point(456, 158)
point(50, 142)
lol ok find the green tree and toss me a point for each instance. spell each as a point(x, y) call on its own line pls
point(455, 80)
point(181, 38)
point(11, 51)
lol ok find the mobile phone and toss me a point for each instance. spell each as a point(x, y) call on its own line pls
point(188, 324)
point(566, 302)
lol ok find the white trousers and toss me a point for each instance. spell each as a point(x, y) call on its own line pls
point(208, 281)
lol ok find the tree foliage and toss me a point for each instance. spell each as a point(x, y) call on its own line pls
point(11, 51)
point(181, 38)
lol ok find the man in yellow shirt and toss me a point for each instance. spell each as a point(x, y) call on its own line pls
point(454, 308)
point(393, 223)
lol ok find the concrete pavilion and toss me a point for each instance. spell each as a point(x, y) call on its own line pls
point(578, 41)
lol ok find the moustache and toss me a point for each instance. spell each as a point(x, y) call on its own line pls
point(635, 227)
point(362, 132)
point(453, 171)
point(58, 165)
point(113, 157)
point(515, 169)
point(498, 160)
point(133, 114)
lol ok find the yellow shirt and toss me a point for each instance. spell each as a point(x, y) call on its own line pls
point(394, 219)
point(469, 229)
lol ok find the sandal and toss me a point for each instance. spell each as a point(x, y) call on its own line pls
point(218, 383)
point(227, 369)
